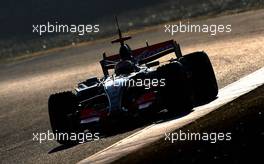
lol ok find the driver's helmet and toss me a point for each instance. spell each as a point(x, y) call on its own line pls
point(125, 52)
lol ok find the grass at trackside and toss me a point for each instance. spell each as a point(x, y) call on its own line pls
point(244, 118)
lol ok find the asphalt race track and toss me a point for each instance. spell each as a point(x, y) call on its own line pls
point(26, 84)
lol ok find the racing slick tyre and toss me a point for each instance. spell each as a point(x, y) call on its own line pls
point(176, 94)
point(201, 73)
point(62, 118)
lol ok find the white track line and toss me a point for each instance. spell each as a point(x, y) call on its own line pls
point(155, 132)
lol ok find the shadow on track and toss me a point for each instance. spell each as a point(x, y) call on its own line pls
point(126, 125)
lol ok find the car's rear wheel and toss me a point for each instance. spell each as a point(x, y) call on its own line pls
point(62, 116)
point(176, 94)
point(203, 80)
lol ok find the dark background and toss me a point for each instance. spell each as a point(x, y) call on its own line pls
point(18, 16)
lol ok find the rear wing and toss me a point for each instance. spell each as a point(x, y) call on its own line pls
point(143, 55)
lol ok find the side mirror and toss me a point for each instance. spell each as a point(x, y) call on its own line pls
point(153, 64)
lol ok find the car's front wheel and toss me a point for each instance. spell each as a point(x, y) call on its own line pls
point(62, 116)
point(176, 95)
point(202, 77)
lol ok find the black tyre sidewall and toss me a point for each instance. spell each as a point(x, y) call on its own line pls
point(203, 80)
point(176, 95)
point(61, 112)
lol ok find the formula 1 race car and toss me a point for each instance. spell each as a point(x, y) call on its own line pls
point(139, 84)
